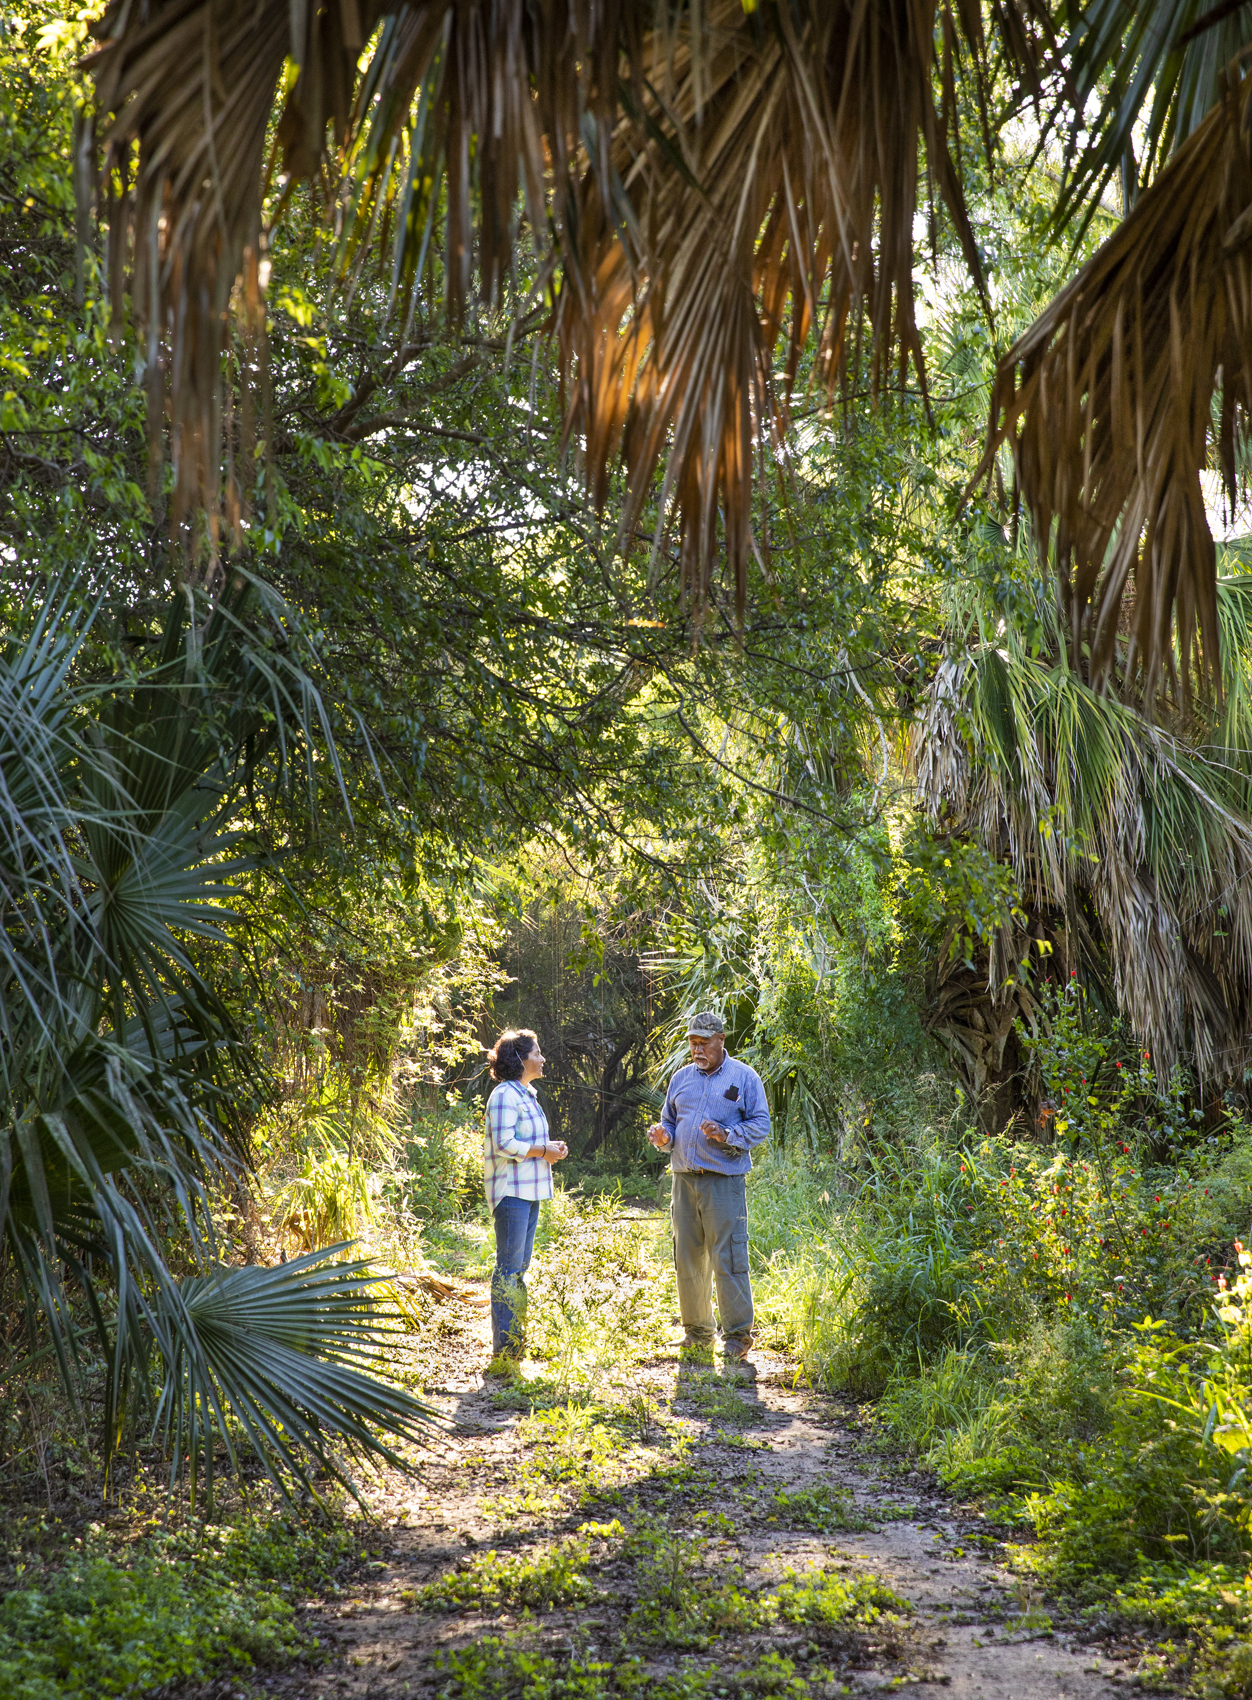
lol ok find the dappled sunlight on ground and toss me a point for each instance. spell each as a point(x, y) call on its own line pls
point(669, 1529)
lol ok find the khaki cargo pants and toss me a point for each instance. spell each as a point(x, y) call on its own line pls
point(709, 1214)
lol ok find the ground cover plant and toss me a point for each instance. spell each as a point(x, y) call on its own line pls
point(206, 1601)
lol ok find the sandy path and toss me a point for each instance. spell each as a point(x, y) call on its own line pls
point(973, 1630)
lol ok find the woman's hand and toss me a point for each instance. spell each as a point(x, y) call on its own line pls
point(554, 1150)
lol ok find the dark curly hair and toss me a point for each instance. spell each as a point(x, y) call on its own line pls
point(511, 1050)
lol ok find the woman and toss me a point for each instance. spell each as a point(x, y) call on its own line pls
point(517, 1157)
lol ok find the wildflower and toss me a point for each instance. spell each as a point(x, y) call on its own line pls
point(1143, 1230)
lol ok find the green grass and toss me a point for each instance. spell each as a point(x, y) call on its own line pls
point(716, 1398)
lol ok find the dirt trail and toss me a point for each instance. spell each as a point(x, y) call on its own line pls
point(973, 1630)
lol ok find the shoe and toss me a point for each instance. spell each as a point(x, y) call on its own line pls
point(736, 1351)
point(696, 1345)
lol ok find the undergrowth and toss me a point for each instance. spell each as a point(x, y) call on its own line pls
point(1058, 1326)
point(185, 1607)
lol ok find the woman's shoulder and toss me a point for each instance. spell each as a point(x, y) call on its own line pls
point(504, 1089)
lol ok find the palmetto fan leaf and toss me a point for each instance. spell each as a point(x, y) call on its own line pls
point(1096, 807)
point(284, 1355)
point(1152, 72)
point(695, 175)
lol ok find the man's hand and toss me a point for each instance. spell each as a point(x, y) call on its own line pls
point(659, 1137)
point(554, 1150)
point(714, 1133)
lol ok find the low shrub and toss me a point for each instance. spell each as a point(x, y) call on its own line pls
point(601, 1287)
point(443, 1170)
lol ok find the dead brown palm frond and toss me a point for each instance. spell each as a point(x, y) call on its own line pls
point(699, 174)
point(1107, 403)
point(799, 139)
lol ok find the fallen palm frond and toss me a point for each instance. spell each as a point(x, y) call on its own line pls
point(1107, 404)
point(699, 174)
point(1112, 825)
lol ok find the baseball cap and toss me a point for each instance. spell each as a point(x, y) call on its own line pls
point(705, 1025)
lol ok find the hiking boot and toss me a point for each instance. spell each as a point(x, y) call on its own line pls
point(696, 1345)
point(736, 1351)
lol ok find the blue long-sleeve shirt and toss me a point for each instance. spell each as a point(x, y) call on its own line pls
point(731, 1095)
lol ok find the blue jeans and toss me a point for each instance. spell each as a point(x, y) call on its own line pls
point(516, 1220)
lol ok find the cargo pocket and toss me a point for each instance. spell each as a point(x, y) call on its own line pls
point(739, 1251)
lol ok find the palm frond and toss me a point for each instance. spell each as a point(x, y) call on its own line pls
point(282, 1357)
point(697, 173)
point(1090, 802)
point(1154, 72)
point(1107, 404)
point(1231, 746)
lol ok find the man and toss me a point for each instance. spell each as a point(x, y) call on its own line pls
point(715, 1112)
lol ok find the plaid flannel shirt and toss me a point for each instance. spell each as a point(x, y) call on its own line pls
point(516, 1124)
